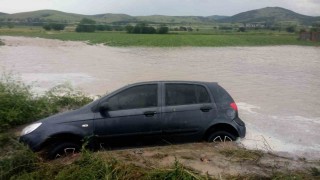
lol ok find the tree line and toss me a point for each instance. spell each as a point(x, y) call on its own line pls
point(89, 25)
point(143, 28)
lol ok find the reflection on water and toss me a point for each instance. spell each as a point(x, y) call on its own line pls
point(277, 88)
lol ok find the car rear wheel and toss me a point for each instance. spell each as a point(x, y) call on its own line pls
point(63, 149)
point(221, 136)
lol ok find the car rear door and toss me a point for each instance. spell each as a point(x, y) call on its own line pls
point(187, 109)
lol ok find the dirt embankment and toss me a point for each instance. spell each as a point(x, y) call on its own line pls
point(217, 161)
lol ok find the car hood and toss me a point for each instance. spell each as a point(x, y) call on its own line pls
point(81, 114)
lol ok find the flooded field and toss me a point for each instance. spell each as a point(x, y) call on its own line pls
point(277, 88)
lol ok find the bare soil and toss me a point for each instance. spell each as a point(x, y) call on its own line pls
point(221, 160)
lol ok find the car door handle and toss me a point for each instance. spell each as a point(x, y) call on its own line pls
point(150, 113)
point(205, 108)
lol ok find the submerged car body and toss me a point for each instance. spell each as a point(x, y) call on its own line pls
point(196, 110)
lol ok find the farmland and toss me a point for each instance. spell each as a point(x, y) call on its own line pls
point(202, 38)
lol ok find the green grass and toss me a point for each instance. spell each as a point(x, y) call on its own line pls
point(196, 39)
point(24, 164)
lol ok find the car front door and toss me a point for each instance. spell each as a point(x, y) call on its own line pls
point(132, 111)
point(187, 109)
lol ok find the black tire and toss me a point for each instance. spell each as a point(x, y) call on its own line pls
point(221, 136)
point(62, 149)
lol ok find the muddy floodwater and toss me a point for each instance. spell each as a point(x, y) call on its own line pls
point(277, 88)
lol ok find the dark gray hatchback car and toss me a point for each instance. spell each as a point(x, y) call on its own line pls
point(166, 109)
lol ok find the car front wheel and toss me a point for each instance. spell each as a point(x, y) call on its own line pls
point(63, 149)
point(221, 136)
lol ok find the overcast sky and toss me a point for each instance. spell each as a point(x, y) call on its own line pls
point(163, 7)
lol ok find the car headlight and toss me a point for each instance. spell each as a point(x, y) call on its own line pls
point(30, 128)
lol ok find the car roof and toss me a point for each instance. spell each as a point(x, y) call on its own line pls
point(174, 81)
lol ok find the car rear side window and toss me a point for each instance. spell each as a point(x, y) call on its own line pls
point(202, 94)
point(142, 96)
point(182, 94)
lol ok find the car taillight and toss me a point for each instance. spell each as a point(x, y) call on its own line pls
point(234, 106)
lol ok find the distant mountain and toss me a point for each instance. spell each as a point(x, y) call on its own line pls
point(109, 18)
point(175, 19)
point(217, 17)
point(270, 15)
point(44, 15)
point(265, 15)
point(1, 13)
point(58, 16)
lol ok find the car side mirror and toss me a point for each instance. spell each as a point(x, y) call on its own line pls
point(104, 106)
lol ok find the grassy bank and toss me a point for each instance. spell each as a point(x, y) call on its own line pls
point(235, 163)
point(168, 40)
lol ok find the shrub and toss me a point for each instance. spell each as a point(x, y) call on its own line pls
point(242, 29)
point(23, 160)
point(10, 25)
point(54, 26)
point(57, 27)
point(129, 28)
point(87, 167)
point(291, 29)
point(143, 28)
point(303, 30)
point(118, 28)
point(19, 105)
point(182, 28)
point(46, 27)
point(101, 27)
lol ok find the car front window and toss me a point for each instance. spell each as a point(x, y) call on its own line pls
point(141, 96)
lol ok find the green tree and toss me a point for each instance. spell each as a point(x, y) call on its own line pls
point(54, 26)
point(241, 29)
point(57, 27)
point(101, 27)
point(143, 28)
point(86, 25)
point(315, 27)
point(291, 29)
point(163, 30)
point(46, 27)
point(129, 28)
point(10, 25)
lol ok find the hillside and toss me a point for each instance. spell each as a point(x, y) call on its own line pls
point(217, 17)
point(175, 19)
point(43, 15)
point(266, 15)
point(270, 15)
point(58, 16)
point(110, 18)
